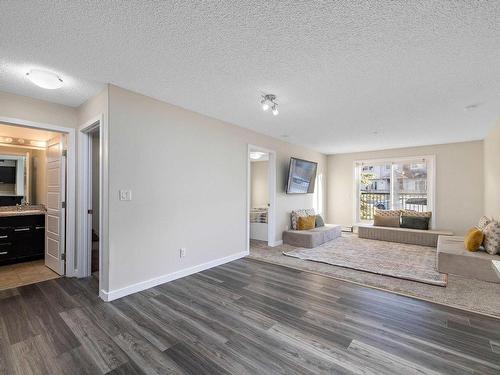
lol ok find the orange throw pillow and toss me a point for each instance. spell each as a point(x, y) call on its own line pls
point(306, 222)
point(473, 239)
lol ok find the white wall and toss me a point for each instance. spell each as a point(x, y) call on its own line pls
point(459, 183)
point(22, 107)
point(492, 172)
point(188, 176)
point(259, 191)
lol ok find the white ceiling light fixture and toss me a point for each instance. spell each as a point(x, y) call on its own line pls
point(45, 79)
point(269, 101)
point(256, 155)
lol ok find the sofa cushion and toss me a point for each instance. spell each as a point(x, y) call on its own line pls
point(473, 239)
point(298, 213)
point(452, 257)
point(313, 237)
point(306, 222)
point(401, 235)
point(492, 238)
point(415, 222)
point(386, 221)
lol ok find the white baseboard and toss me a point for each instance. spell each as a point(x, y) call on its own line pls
point(143, 285)
point(276, 243)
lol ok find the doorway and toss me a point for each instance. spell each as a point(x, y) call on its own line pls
point(34, 199)
point(90, 234)
point(261, 197)
point(95, 198)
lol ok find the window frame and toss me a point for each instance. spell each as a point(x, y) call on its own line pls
point(431, 182)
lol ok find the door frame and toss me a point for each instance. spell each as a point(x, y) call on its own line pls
point(85, 198)
point(70, 248)
point(271, 181)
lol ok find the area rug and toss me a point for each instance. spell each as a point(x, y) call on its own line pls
point(467, 294)
point(409, 262)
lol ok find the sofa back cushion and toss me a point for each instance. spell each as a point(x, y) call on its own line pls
point(306, 222)
point(416, 213)
point(387, 212)
point(300, 213)
point(386, 221)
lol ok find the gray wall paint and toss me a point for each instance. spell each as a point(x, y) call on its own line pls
point(188, 176)
point(459, 183)
point(492, 172)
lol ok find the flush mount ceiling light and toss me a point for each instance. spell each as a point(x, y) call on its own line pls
point(269, 101)
point(256, 155)
point(45, 79)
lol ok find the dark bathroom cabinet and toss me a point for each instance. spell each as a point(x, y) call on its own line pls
point(22, 238)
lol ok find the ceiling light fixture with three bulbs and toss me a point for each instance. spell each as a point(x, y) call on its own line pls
point(269, 101)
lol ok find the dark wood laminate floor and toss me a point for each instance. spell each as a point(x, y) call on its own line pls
point(242, 317)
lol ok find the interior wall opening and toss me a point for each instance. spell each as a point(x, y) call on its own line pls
point(95, 197)
point(259, 195)
point(32, 200)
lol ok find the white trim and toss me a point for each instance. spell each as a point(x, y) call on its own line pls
point(71, 184)
point(271, 180)
point(85, 198)
point(276, 243)
point(431, 181)
point(143, 285)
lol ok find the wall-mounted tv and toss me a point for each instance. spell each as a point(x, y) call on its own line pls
point(301, 176)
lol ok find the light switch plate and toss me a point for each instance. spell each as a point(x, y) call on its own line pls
point(125, 195)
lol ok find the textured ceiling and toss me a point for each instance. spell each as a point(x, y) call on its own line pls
point(349, 75)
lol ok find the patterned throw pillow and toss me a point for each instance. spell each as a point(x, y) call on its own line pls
point(492, 238)
point(483, 222)
point(416, 213)
point(300, 213)
point(387, 212)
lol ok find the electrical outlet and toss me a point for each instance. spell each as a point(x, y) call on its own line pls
point(182, 252)
point(125, 195)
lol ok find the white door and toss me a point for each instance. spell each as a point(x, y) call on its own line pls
point(56, 196)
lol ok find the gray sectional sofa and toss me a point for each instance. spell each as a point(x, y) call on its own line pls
point(312, 237)
point(402, 235)
point(453, 258)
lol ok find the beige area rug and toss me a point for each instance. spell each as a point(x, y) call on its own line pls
point(410, 262)
point(467, 294)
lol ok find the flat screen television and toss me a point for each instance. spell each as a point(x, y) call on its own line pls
point(301, 176)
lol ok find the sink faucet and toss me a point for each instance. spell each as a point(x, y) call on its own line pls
point(22, 205)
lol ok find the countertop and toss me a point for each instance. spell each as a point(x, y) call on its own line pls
point(22, 211)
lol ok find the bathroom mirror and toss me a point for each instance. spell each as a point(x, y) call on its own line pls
point(22, 176)
point(14, 176)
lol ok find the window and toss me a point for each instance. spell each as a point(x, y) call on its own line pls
point(405, 183)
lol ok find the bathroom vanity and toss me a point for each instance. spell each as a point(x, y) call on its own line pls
point(22, 234)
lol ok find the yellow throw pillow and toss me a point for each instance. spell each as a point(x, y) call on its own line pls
point(306, 222)
point(473, 239)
